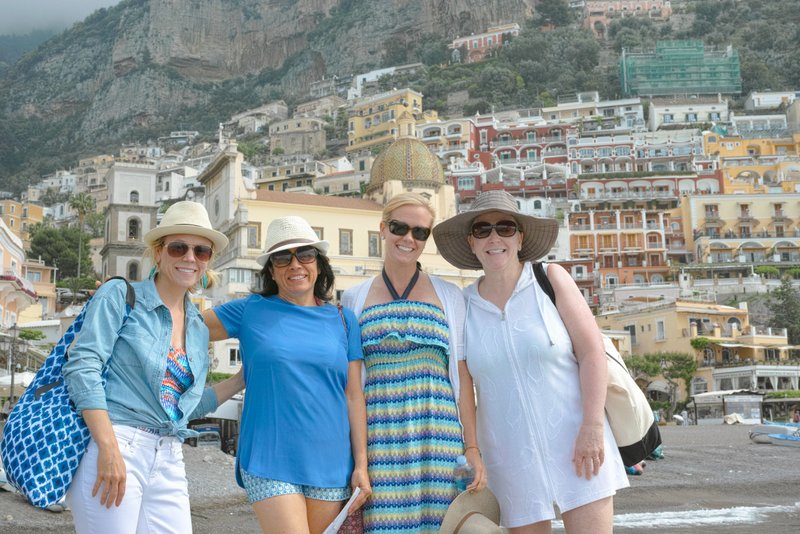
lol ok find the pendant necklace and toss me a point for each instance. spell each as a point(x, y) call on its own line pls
point(409, 287)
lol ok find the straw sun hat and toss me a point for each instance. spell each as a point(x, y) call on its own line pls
point(187, 217)
point(290, 232)
point(539, 233)
point(473, 513)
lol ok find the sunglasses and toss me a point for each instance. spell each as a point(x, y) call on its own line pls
point(303, 255)
point(178, 249)
point(481, 230)
point(420, 233)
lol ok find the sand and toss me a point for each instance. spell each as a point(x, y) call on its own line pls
point(709, 473)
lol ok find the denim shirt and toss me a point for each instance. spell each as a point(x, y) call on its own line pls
point(139, 348)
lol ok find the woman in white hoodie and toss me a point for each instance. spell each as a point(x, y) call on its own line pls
point(539, 370)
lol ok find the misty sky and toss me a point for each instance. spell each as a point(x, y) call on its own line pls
point(22, 16)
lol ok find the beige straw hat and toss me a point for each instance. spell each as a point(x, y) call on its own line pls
point(187, 217)
point(290, 232)
point(473, 513)
point(539, 233)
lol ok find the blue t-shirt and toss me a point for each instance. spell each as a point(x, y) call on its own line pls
point(294, 424)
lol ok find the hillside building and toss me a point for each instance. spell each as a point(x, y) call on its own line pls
point(298, 135)
point(683, 112)
point(19, 217)
point(680, 68)
point(476, 47)
point(598, 14)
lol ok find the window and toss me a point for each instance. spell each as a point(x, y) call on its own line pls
point(631, 328)
point(375, 244)
point(252, 237)
point(133, 270)
point(319, 231)
point(234, 357)
point(466, 183)
point(668, 118)
point(346, 242)
point(691, 117)
point(240, 276)
point(134, 229)
point(660, 331)
point(134, 197)
point(623, 151)
point(34, 276)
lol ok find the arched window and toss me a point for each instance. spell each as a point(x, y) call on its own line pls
point(537, 204)
point(133, 270)
point(134, 197)
point(134, 228)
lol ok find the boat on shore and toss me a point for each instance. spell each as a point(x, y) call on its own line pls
point(761, 433)
point(785, 440)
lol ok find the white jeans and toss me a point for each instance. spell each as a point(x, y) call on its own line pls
point(156, 492)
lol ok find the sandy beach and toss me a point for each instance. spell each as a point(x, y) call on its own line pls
point(712, 480)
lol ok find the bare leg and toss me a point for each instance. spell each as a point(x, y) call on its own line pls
point(595, 518)
point(284, 514)
point(542, 527)
point(321, 514)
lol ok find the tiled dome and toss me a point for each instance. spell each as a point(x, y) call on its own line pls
point(407, 159)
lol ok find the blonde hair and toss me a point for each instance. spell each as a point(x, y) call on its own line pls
point(152, 251)
point(406, 199)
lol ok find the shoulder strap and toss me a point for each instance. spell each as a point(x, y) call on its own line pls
point(544, 282)
point(130, 294)
point(344, 322)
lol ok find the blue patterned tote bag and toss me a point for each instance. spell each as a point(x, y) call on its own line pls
point(44, 438)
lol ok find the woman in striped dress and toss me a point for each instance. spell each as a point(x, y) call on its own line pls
point(420, 402)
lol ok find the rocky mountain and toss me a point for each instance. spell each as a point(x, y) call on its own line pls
point(144, 63)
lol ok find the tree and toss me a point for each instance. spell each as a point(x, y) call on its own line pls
point(784, 307)
point(672, 366)
point(83, 203)
point(59, 247)
point(555, 12)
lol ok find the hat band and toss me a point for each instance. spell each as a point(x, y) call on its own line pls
point(295, 240)
point(464, 520)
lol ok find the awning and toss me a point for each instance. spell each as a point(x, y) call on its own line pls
point(659, 385)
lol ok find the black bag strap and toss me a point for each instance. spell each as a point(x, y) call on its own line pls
point(130, 294)
point(344, 322)
point(544, 282)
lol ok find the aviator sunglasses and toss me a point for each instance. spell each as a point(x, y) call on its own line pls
point(481, 230)
point(178, 249)
point(420, 233)
point(303, 255)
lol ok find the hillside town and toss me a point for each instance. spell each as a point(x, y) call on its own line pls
point(668, 200)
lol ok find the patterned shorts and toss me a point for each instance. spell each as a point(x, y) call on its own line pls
point(259, 488)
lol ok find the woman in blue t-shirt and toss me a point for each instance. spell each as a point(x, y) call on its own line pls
point(303, 439)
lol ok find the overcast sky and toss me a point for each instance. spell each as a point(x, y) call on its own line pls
point(22, 16)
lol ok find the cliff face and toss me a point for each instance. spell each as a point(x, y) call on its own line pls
point(144, 61)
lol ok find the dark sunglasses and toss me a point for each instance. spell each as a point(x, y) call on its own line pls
point(303, 255)
point(178, 249)
point(420, 233)
point(481, 230)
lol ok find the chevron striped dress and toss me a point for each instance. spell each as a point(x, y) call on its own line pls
point(413, 432)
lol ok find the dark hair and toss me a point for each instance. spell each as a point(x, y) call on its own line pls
point(322, 287)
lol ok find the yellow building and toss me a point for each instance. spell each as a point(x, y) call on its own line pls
point(42, 277)
point(351, 225)
point(737, 355)
point(16, 291)
point(20, 217)
point(756, 164)
point(376, 121)
point(743, 228)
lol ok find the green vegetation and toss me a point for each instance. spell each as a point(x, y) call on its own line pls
point(59, 247)
point(672, 366)
point(700, 343)
point(784, 308)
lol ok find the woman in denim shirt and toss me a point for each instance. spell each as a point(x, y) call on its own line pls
point(132, 477)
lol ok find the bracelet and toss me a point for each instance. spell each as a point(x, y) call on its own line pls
point(472, 447)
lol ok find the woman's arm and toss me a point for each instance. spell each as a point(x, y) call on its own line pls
point(357, 415)
point(587, 343)
point(466, 408)
point(216, 332)
point(111, 469)
point(229, 387)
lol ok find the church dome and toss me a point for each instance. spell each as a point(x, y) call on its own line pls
point(407, 159)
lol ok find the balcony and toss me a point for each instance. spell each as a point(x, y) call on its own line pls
point(11, 284)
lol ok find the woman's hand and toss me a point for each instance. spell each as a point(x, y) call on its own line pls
point(111, 475)
point(474, 459)
point(589, 452)
point(360, 479)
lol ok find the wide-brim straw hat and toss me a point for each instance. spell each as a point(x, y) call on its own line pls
point(187, 217)
point(473, 513)
point(290, 232)
point(539, 233)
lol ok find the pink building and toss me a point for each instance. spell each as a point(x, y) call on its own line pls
point(598, 14)
point(477, 46)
